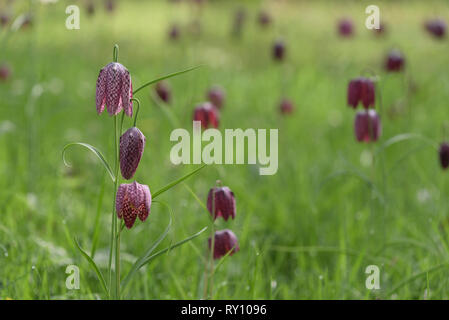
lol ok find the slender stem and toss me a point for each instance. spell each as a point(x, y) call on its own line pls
point(210, 253)
point(137, 111)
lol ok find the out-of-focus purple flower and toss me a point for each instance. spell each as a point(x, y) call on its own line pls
point(5, 71)
point(279, 50)
point(444, 155)
point(173, 32)
point(109, 5)
point(394, 61)
point(216, 96)
point(224, 242)
point(221, 201)
point(132, 143)
point(208, 114)
point(4, 19)
point(163, 91)
point(90, 7)
point(361, 90)
point(345, 27)
point(264, 18)
point(133, 200)
point(367, 126)
point(114, 88)
point(286, 106)
point(436, 27)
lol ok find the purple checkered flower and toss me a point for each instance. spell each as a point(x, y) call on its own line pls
point(225, 241)
point(222, 200)
point(133, 200)
point(132, 143)
point(114, 89)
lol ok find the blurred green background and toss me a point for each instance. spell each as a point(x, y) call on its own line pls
point(307, 232)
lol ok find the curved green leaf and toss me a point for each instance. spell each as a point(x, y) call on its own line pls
point(140, 262)
point(164, 77)
point(174, 183)
point(94, 266)
point(95, 151)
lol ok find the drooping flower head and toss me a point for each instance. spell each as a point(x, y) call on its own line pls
point(264, 18)
point(208, 114)
point(361, 90)
point(132, 143)
point(444, 155)
point(114, 89)
point(345, 27)
point(163, 91)
point(216, 96)
point(133, 200)
point(286, 106)
point(5, 71)
point(394, 61)
point(224, 242)
point(279, 50)
point(221, 201)
point(436, 27)
point(367, 126)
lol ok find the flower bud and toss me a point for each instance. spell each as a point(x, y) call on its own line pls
point(208, 114)
point(436, 27)
point(5, 71)
point(394, 61)
point(132, 143)
point(163, 91)
point(345, 28)
point(216, 96)
point(279, 50)
point(367, 126)
point(221, 201)
point(224, 242)
point(444, 155)
point(133, 200)
point(286, 106)
point(264, 18)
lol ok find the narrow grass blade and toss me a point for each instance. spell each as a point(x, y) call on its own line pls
point(94, 266)
point(174, 183)
point(165, 77)
point(95, 151)
point(140, 262)
point(97, 220)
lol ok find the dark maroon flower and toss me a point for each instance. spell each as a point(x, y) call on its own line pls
point(361, 90)
point(436, 27)
point(132, 143)
point(173, 32)
point(279, 50)
point(163, 91)
point(286, 106)
point(4, 19)
point(90, 7)
point(216, 96)
point(264, 18)
point(208, 114)
point(367, 126)
point(394, 61)
point(223, 201)
point(114, 88)
point(5, 71)
point(345, 27)
point(224, 242)
point(444, 155)
point(133, 200)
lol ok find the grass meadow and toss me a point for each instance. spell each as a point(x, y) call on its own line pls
point(334, 207)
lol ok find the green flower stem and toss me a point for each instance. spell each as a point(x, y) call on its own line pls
point(208, 270)
point(137, 111)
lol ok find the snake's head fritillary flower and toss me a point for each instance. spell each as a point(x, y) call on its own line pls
point(361, 90)
point(132, 143)
point(114, 89)
point(394, 61)
point(279, 50)
point(208, 114)
point(367, 126)
point(436, 27)
point(345, 27)
point(225, 241)
point(286, 106)
point(221, 201)
point(216, 96)
point(444, 155)
point(133, 200)
point(5, 71)
point(264, 18)
point(173, 32)
point(163, 91)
